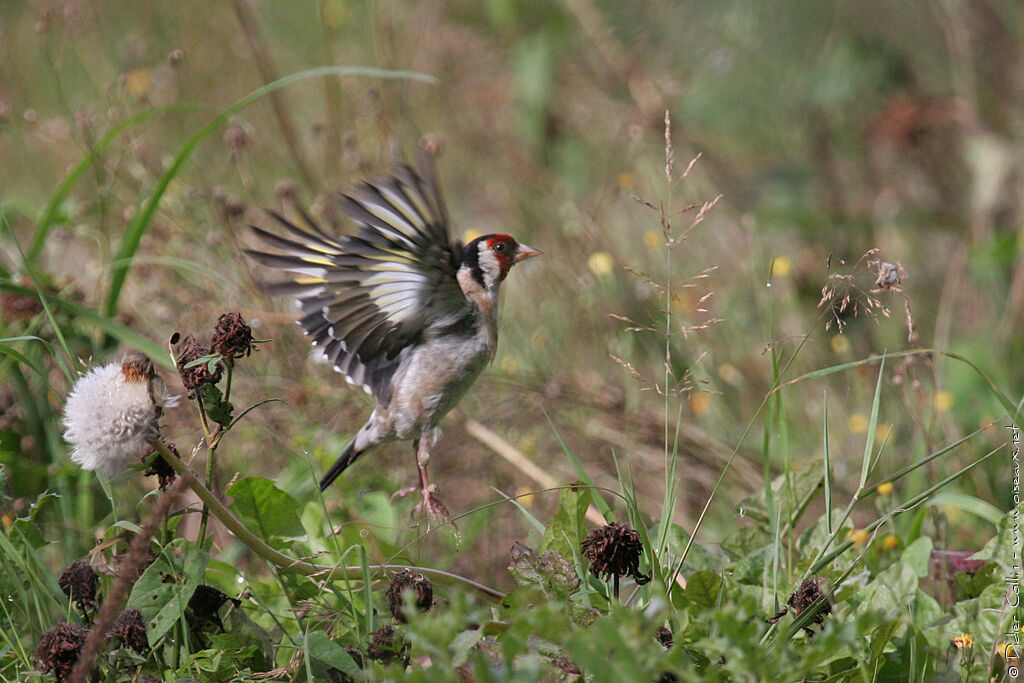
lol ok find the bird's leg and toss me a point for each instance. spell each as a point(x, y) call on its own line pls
point(430, 503)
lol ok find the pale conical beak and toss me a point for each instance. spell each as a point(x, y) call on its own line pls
point(524, 252)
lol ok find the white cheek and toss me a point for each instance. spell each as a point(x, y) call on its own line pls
point(490, 267)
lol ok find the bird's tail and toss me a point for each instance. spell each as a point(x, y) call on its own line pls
point(341, 464)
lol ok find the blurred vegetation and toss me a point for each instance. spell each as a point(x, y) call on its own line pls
point(828, 128)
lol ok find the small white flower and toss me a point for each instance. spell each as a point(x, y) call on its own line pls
point(111, 411)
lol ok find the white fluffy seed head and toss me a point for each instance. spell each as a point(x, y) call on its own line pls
point(111, 411)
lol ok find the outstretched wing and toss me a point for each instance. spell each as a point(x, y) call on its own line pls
point(368, 296)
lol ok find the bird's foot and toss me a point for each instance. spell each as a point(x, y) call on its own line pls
point(431, 504)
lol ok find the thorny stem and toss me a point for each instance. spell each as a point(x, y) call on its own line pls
point(301, 567)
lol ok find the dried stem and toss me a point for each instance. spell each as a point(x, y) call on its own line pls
point(268, 73)
point(128, 570)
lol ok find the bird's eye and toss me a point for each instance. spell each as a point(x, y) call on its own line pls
point(500, 247)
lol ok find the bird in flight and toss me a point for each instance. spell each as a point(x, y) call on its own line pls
point(399, 308)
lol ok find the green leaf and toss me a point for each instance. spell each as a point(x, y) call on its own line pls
point(889, 590)
point(217, 409)
point(463, 643)
point(551, 572)
point(918, 556)
point(703, 589)
point(967, 503)
point(881, 636)
point(266, 509)
point(566, 530)
point(163, 602)
point(330, 653)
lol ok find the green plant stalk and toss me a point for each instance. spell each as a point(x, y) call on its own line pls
point(301, 567)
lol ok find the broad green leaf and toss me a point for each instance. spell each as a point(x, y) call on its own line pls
point(918, 556)
point(330, 653)
point(266, 509)
point(163, 602)
point(566, 530)
point(703, 589)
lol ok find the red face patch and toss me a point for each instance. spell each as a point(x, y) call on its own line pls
point(504, 249)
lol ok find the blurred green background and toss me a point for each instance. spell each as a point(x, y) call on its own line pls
point(829, 128)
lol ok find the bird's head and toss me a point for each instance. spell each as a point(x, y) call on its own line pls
point(490, 258)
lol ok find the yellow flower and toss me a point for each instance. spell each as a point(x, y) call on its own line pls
point(510, 364)
point(885, 489)
point(625, 180)
point(943, 401)
point(728, 373)
point(653, 239)
point(601, 263)
point(781, 266)
point(138, 82)
point(857, 423)
point(964, 641)
point(524, 496)
point(858, 536)
point(700, 402)
point(890, 542)
point(840, 344)
point(1006, 650)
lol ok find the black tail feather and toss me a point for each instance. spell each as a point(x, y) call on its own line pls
point(340, 465)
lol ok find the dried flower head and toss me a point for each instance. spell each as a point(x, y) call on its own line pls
point(159, 467)
point(80, 583)
point(59, 648)
point(614, 550)
point(112, 410)
point(232, 337)
point(802, 598)
point(195, 376)
point(387, 645)
point(664, 636)
point(130, 627)
point(421, 588)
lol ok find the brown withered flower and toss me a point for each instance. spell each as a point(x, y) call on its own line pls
point(196, 376)
point(159, 467)
point(664, 636)
point(613, 551)
point(422, 590)
point(130, 627)
point(802, 598)
point(232, 337)
point(80, 583)
point(59, 648)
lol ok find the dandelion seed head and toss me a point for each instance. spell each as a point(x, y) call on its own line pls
point(111, 411)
